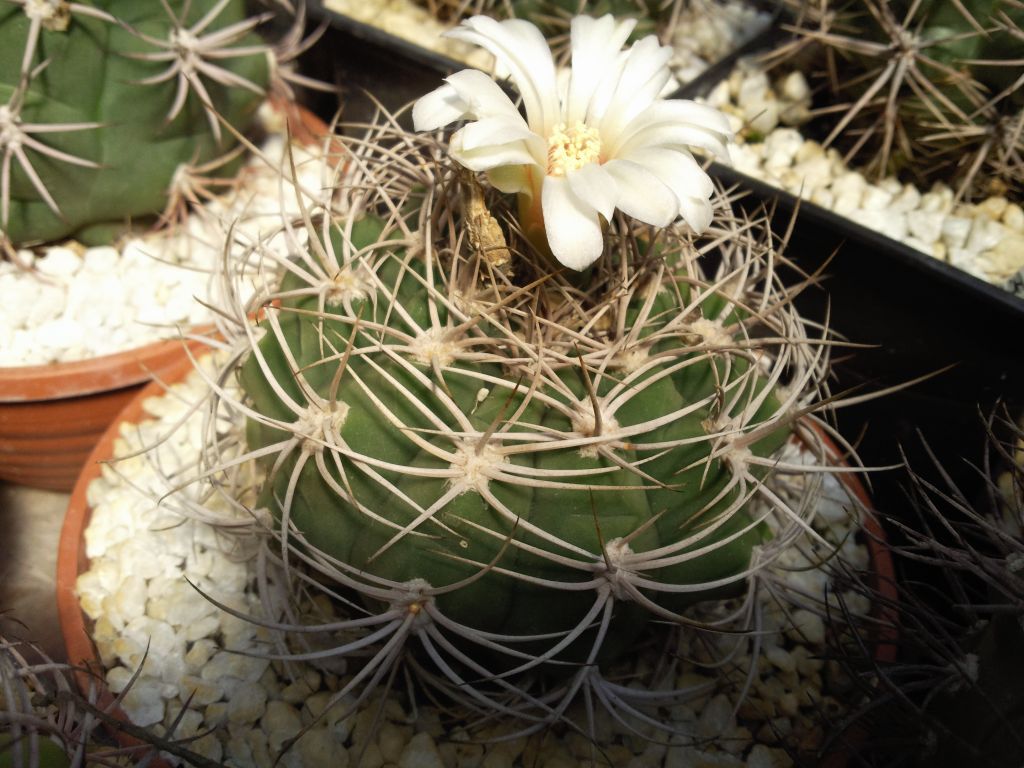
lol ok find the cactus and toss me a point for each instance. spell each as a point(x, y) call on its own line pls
point(504, 472)
point(930, 89)
point(46, 721)
point(555, 457)
point(955, 694)
point(504, 469)
point(104, 104)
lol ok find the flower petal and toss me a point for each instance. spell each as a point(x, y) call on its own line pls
point(641, 194)
point(642, 77)
point(438, 108)
point(497, 130)
point(683, 175)
point(511, 179)
point(490, 156)
point(572, 227)
point(697, 212)
point(596, 187)
point(484, 97)
point(676, 169)
point(596, 46)
point(679, 123)
point(520, 47)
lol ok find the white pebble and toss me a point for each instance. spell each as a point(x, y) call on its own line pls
point(907, 200)
point(846, 202)
point(319, 747)
point(143, 705)
point(781, 658)
point(753, 89)
point(716, 719)
point(985, 234)
point(850, 183)
point(763, 117)
point(807, 626)
point(420, 752)
point(280, 722)
point(918, 245)
point(59, 333)
point(100, 260)
point(247, 704)
point(1006, 258)
point(955, 230)
point(1013, 217)
point(59, 262)
point(993, 207)
point(925, 225)
point(794, 86)
point(876, 199)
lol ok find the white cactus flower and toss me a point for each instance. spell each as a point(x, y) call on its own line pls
point(604, 140)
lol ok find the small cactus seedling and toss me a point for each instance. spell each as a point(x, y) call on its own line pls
point(102, 106)
point(933, 89)
point(505, 470)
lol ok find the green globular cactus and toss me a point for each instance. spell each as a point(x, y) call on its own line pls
point(102, 104)
point(475, 465)
point(933, 89)
point(514, 469)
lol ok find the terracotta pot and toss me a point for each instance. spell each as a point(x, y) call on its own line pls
point(52, 415)
point(72, 561)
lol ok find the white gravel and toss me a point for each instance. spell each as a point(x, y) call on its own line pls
point(984, 239)
point(147, 614)
point(80, 302)
point(709, 30)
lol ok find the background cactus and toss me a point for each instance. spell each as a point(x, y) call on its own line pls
point(552, 17)
point(106, 104)
point(508, 467)
point(932, 90)
point(53, 716)
point(955, 695)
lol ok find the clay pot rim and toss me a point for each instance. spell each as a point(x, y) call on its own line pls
point(54, 381)
point(71, 559)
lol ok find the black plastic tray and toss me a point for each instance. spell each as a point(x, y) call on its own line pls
point(919, 315)
point(368, 66)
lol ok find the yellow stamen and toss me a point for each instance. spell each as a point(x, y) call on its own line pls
point(571, 148)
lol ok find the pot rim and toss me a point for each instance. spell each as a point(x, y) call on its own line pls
point(55, 381)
